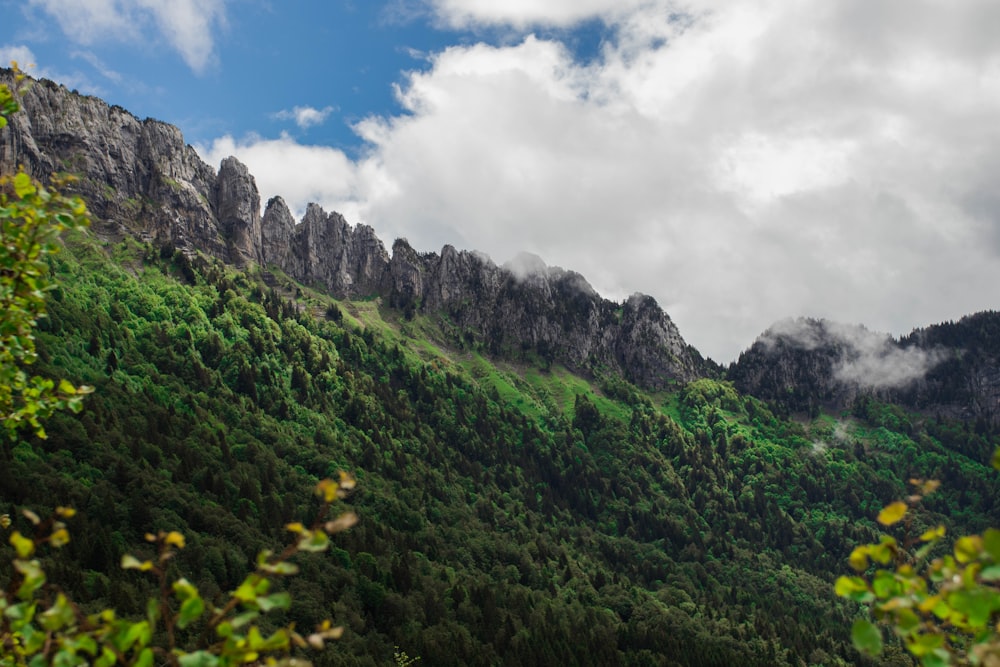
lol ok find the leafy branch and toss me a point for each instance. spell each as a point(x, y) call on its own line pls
point(39, 625)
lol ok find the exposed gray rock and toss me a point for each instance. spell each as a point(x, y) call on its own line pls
point(276, 229)
point(237, 203)
point(140, 178)
point(950, 369)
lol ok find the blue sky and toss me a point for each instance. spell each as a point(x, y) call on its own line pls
point(742, 161)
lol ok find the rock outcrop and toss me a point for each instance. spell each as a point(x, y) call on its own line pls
point(140, 178)
point(950, 369)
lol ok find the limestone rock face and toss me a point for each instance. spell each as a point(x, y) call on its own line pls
point(237, 203)
point(137, 176)
point(950, 369)
point(348, 261)
point(140, 178)
point(276, 230)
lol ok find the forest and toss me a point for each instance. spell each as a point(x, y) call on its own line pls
point(511, 512)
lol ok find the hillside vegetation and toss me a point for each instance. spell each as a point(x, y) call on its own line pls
point(510, 512)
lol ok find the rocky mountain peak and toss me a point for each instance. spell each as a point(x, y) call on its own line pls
point(140, 178)
point(238, 209)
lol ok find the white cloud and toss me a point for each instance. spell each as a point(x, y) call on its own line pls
point(98, 65)
point(525, 13)
point(187, 25)
point(305, 117)
point(300, 174)
point(27, 62)
point(751, 160)
point(22, 55)
point(866, 358)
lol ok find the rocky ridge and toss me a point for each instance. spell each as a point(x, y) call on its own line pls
point(140, 178)
point(950, 369)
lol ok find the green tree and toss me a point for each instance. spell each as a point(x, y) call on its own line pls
point(39, 624)
point(32, 217)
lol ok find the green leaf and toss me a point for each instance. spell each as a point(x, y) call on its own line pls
point(866, 637)
point(145, 658)
point(854, 588)
point(937, 658)
point(991, 542)
point(59, 615)
point(197, 659)
point(977, 605)
point(242, 619)
point(884, 584)
point(315, 540)
point(924, 644)
point(191, 610)
point(247, 591)
point(34, 577)
point(276, 601)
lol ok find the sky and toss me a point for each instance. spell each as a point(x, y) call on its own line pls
point(742, 161)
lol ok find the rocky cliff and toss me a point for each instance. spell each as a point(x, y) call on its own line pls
point(950, 369)
point(139, 178)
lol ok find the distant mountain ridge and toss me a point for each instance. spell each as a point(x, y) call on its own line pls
point(139, 178)
point(950, 369)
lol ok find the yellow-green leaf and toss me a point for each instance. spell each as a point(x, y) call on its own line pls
point(132, 563)
point(22, 545)
point(968, 548)
point(932, 534)
point(23, 185)
point(859, 558)
point(892, 513)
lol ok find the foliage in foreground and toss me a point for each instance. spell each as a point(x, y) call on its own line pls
point(944, 608)
point(40, 625)
point(31, 219)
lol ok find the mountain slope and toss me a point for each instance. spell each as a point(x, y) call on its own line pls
point(500, 524)
point(519, 505)
point(141, 180)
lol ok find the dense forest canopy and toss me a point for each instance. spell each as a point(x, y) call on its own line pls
point(511, 513)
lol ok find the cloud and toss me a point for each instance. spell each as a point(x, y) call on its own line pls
point(305, 117)
point(300, 174)
point(98, 65)
point(18, 53)
point(187, 25)
point(526, 13)
point(26, 60)
point(866, 358)
point(740, 161)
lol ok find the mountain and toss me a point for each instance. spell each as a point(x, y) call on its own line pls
point(141, 179)
point(950, 369)
point(545, 477)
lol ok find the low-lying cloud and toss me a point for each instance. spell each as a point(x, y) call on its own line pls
point(866, 358)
